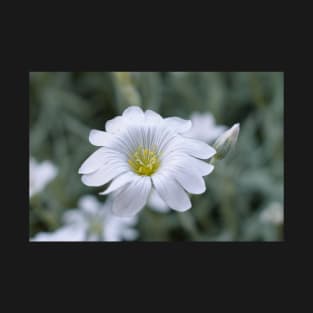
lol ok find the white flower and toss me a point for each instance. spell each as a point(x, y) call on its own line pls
point(97, 220)
point(92, 221)
point(204, 127)
point(65, 233)
point(141, 151)
point(40, 175)
point(273, 214)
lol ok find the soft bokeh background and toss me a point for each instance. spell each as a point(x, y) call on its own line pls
point(64, 106)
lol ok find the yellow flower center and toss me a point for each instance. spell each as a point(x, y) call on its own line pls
point(144, 161)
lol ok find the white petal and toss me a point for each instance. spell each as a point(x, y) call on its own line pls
point(130, 234)
point(115, 125)
point(171, 192)
point(119, 182)
point(131, 199)
point(193, 147)
point(111, 231)
point(184, 160)
point(93, 162)
point(202, 167)
point(186, 171)
point(104, 174)
point(113, 143)
point(198, 148)
point(118, 228)
point(156, 202)
point(214, 133)
point(40, 175)
point(133, 114)
point(73, 216)
point(101, 138)
point(177, 124)
point(66, 233)
point(204, 127)
point(153, 117)
point(89, 204)
point(190, 181)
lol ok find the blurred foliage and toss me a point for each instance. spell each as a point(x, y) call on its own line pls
point(65, 106)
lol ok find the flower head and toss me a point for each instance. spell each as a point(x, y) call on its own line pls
point(141, 151)
point(92, 221)
point(204, 127)
point(40, 175)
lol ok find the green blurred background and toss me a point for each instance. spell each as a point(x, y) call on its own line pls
point(64, 106)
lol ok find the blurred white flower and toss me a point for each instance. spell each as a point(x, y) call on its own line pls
point(99, 221)
point(40, 175)
point(141, 151)
point(65, 233)
point(273, 214)
point(204, 127)
point(92, 221)
point(226, 142)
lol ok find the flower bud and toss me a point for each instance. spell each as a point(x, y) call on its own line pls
point(226, 142)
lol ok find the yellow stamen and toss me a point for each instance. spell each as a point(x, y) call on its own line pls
point(144, 161)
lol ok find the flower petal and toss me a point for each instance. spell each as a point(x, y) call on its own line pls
point(115, 125)
point(190, 181)
point(153, 117)
point(101, 138)
point(113, 142)
point(198, 148)
point(89, 204)
point(156, 202)
point(171, 192)
point(203, 168)
point(186, 172)
point(93, 162)
point(131, 199)
point(65, 233)
point(104, 174)
point(119, 182)
point(177, 124)
point(133, 115)
point(188, 162)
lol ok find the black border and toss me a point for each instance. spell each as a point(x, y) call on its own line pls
point(176, 257)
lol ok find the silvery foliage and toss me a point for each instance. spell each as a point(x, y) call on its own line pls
point(65, 106)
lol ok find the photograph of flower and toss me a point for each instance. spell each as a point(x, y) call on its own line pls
point(156, 156)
